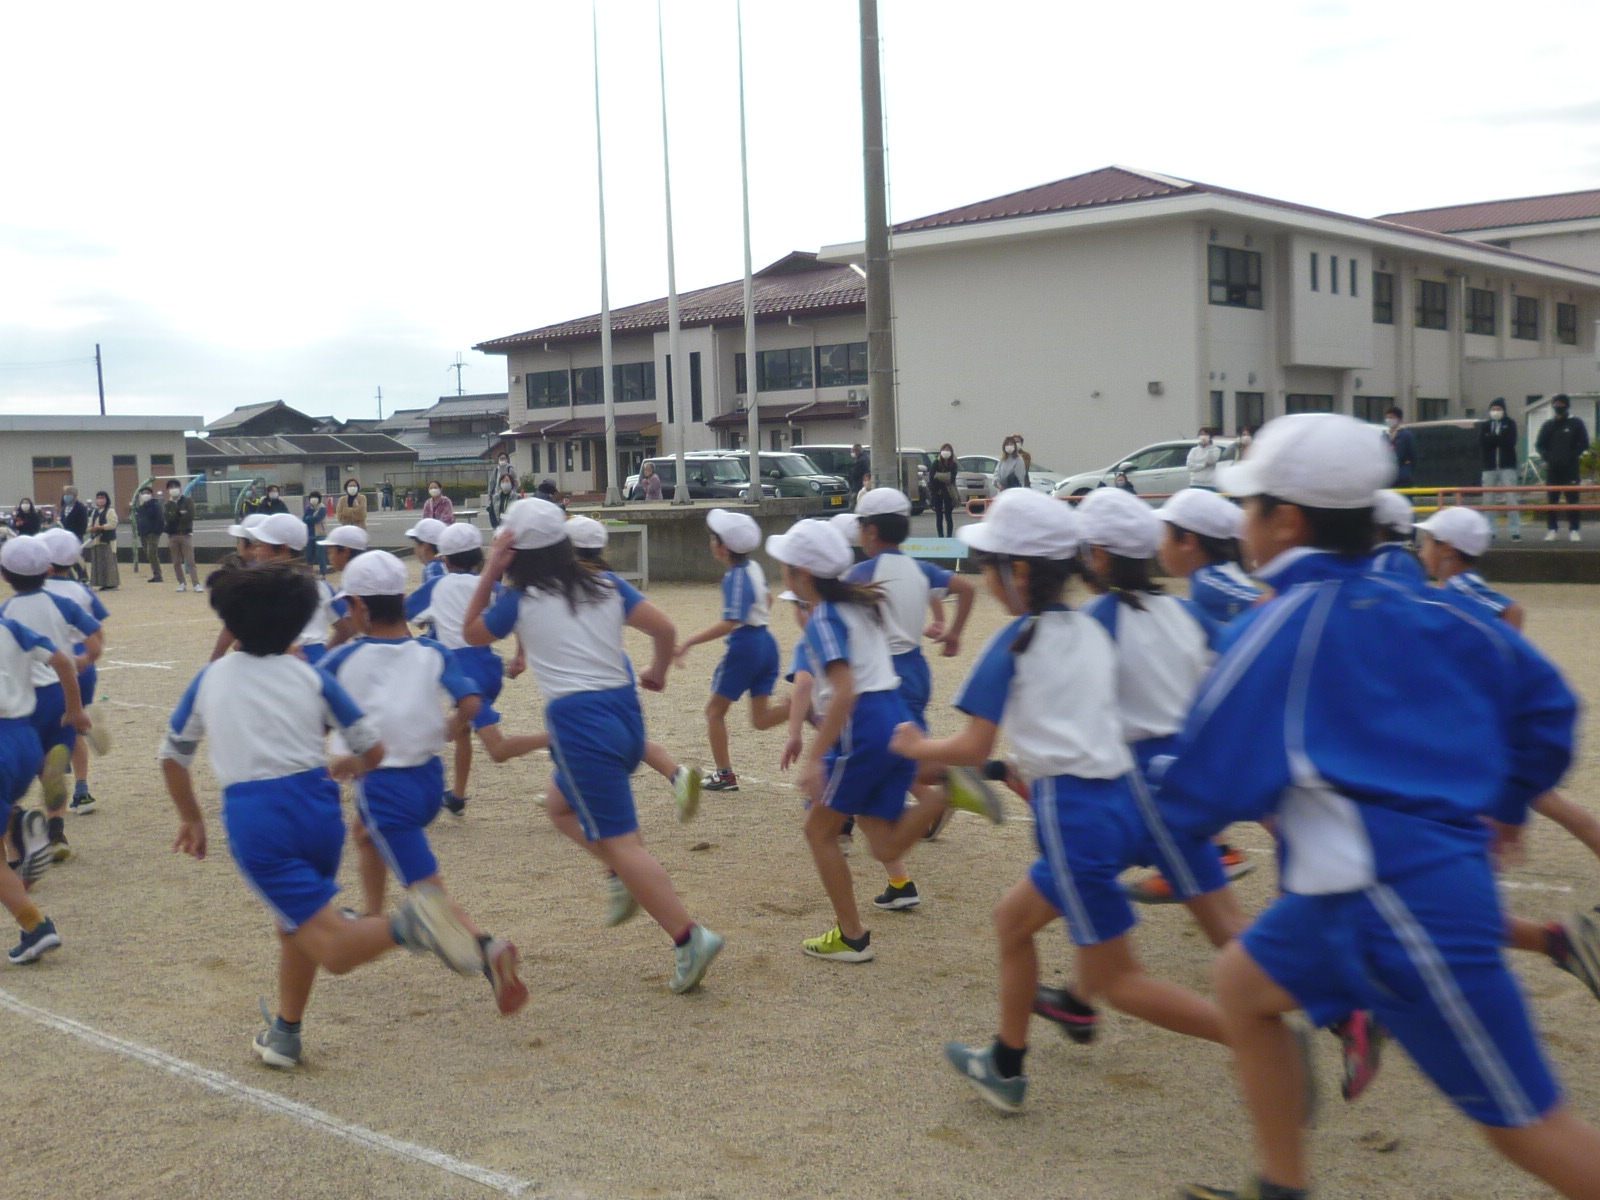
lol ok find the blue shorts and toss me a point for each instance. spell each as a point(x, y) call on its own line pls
point(88, 681)
point(20, 760)
point(750, 664)
point(863, 778)
point(286, 836)
point(483, 666)
point(1424, 955)
point(597, 741)
point(315, 652)
point(49, 707)
point(396, 805)
point(916, 684)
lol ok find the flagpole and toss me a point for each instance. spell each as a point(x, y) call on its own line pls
point(750, 372)
point(613, 492)
point(680, 394)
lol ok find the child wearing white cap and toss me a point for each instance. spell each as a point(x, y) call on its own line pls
point(399, 682)
point(65, 553)
point(424, 537)
point(571, 622)
point(1201, 544)
point(1068, 744)
point(750, 662)
point(281, 538)
point(1393, 515)
point(1456, 539)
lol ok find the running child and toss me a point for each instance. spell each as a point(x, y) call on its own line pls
point(750, 662)
point(571, 622)
point(266, 710)
point(65, 551)
point(343, 543)
point(1396, 519)
point(1456, 539)
point(1201, 545)
point(424, 537)
point(1069, 744)
point(399, 682)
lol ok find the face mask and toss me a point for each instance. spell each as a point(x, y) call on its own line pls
point(506, 486)
point(25, 507)
point(1244, 439)
point(272, 495)
point(72, 497)
point(433, 491)
point(352, 491)
point(1497, 414)
point(1009, 448)
point(1205, 439)
point(1392, 422)
point(505, 462)
point(945, 454)
point(172, 493)
point(145, 497)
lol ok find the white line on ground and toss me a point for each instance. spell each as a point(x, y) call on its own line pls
point(270, 1102)
point(112, 664)
point(1533, 887)
point(131, 704)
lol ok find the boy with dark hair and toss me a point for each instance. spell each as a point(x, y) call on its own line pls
point(1456, 539)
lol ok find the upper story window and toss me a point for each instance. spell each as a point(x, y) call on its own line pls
point(1567, 324)
point(1431, 305)
point(1333, 273)
point(1525, 318)
point(777, 370)
point(546, 389)
point(1316, 273)
point(1480, 310)
point(1355, 273)
point(586, 385)
point(1235, 277)
point(843, 365)
point(1382, 298)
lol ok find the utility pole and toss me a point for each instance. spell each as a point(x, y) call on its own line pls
point(678, 374)
point(380, 403)
point(456, 367)
point(753, 414)
point(100, 378)
point(881, 422)
point(607, 378)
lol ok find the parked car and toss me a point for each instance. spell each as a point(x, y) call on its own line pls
point(711, 476)
point(1155, 470)
point(794, 474)
point(976, 477)
point(835, 460)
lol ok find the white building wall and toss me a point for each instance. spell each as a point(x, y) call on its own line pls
point(1328, 326)
point(1580, 248)
point(91, 453)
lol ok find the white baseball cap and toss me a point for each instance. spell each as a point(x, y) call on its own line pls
point(63, 545)
point(814, 546)
point(535, 523)
point(375, 573)
point(1023, 523)
point(25, 556)
point(585, 533)
point(848, 524)
point(243, 528)
point(883, 502)
point(280, 529)
point(351, 537)
point(1119, 521)
point(1319, 460)
point(1464, 528)
point(738, 531)
point(459, 539)
point(427, 530)
point(1202, 511)
point(1393, 511)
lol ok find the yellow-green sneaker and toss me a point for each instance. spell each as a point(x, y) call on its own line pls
point(53, 778)
point(834, 948)
point(965, 789)
point(686, 789)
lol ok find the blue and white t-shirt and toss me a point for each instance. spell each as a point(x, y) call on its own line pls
point(1223, 591)
point(21, 650)
point(1470, 583)
point(81, 595)
point(443, 603)
point(322, 617)
point(744, 595)
point(847, 633)
point(401, 685)
point(1391, 558)
point(908, 584)
point(59, 620)
point(433, 569)
point(1162, 655)
point(570, 652)
point(1057, 700)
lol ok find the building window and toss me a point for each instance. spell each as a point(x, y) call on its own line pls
point(1431, 305)
point(546, 389)
point(633, 381)
point(1355, 274)
point(776, 438)
point(552, 459)
point(1433, 408)
point(783, 370)
point(586, 385)
point(567, 455)
point(1370, 408)
point(1480, 310)
point(163, 462)
point(842, 365)
point(1235, 277)
point(1567, 324)
point(1333, 273)
point(696, 396)
point(1316, 281)
point(588, 462)
point(1382, 298)
point(52, 464)
point(1218, 416)
point(1525, 319)
point(1304, 402)
point(1250, 408)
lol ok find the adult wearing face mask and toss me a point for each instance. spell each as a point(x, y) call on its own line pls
point(1402, 445)
point(438, 505)
point(26, 519)
point(273, 503)
point(352, 506)
point(1013, 469)
point(504, 496)
point(177, 518)
point(73, 516)
point(315, 517)
point(101, 544)
point(1202, 461)
point(1497, 439)
point(1561, 443)
point(148, 522)
point(942, 490)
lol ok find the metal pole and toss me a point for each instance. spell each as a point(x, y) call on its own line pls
point(613, 492)
point(752, 413)
point(100, 378)
point(880, 346)
point(680, 394)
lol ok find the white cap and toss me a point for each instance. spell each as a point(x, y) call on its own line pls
point(1202, 511)
point(1393, 511)
point(1320, 460)
point(427, 530)
point(375, 573)
point(25, 556)
point(535, 523)
point(849, 524)
point(1023, 523)
point(883, 502)
point(280, 529)
point(1464, 528)
point(459, 539)
point(351, 537)
point(1119, 521)
point(791, 597)
point(738, 531)
point(63, 545)
point(243, 528)
point(585, 533)
point(814, 546)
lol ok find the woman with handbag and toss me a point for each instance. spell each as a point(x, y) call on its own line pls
point(101, 543)
point(943, 491)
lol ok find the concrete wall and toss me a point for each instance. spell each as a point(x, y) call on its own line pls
point(678, 547)
point(1578, 249)
point(1329, 327)
point(91, 453)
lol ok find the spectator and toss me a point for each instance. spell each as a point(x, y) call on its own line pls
point(1013, 469)
point(1027, 459)
point(273, 502)
point(943, 492)
point(73, 516)
point(860, 464)
point(177, 518)
point(547, 490)
point(1404, 446)
point(248, 503)
point(505, 495)
point(1561, 443)
point(1122, 481)
point(649, 486)
point(1497, 438)
point(438, 505)
point(352, 506)
point(387, 494)
point(102, 544)
point(1202, 461)
point(316, 517)
point(148, 522)
point(26, 519)
point(1247, 435)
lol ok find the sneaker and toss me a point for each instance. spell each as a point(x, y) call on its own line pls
point(720, 781)
point(34, 845)
point(1257, 1189)
point(847, 844)
point(834, 948)
point(53, 777)
point(456, 805)
point(938, 825)
point(276, 1046)
point(970, 792)
point(184, 587)
point(84, 803)
point(425, 923)
point(1236, 864)
point(1079, 1021)
point(1575, 947)
point(686, 784)
point(977, 1067)
point(99, 735)
point(35, 945)
point(1516, 537)
point(1362, 1040)
point(1574, 536)
point(694, 957)
point(153, 579)
point(895, 899)
point(60, 851)
point(1551, 536)
point(199, 589)
point(620, 904)
point(500, 969)
point(1151, 890)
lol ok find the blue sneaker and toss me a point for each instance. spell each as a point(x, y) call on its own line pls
point(35, 945)
point(977, 1068)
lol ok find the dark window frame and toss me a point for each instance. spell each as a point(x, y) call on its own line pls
point(1355, 276)
point(1382, 298)
point(1433, 408)
point(1525, 318)
point(1219, 411)
point(1250, 409)
point(854, 371)
point(586, 385)
point(1370, 409)
point(1233, 277)
point(1432, 305)
point(540, 391)
point(1333, 273)
point(1303, 402)
point(1481, 311)
point(633, 382)
point(1566, 323)
point(1316, 271)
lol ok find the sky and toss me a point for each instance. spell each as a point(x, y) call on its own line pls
point(313, 201)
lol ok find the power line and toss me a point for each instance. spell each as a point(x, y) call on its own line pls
point(59, 362)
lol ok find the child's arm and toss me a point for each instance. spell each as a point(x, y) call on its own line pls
point(1513, 616)
point(935, 630)
point(1580, 823)
point(799, 713)
point(519, 661)
point(651, 621)
point(965, 593)
point(710, 633)
point(191, 839)
point(473, 629)
point(969, 748)
point(66, 669)
point(834, 720)
point(93, 647)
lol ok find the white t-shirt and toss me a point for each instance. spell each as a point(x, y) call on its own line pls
point(20, 651)
point(1162, 655)
point(401, 685)
point(907, 584)
point(570, 651)
point(53, 617)
point(851, 634)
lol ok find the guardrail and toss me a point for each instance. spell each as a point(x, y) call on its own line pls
point(1445, 497)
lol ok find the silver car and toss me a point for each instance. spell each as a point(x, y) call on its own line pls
point(975, 479)
point(1155, 470)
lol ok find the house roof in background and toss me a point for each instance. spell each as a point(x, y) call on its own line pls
point(1499, 214)
point(249, 412)
point(485, 404)
point(347, 447)
point(585, 426)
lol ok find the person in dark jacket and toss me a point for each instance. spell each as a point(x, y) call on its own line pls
point(148, 524)
point(1561, 443)
point(1497, 439)
point(273, 503)
point(860, 467)
point(26, 519)
point(177, 519)
point(1404, 446)
point(73, 516)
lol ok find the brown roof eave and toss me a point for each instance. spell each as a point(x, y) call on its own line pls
point(535, 337)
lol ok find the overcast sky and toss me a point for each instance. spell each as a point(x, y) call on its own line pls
point(308, 201)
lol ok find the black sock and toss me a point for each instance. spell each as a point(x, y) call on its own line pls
point(1007, 1061)
point(56, 825)
point(683, 939)
point(857, 944)
point(995, 769)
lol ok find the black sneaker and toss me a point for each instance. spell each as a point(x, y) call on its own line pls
point(1258, 1189)
point(720, 781)
point(84, 803)
point(454, 804)
point(896, 898)
point(1574, 946)
point(35, 945)
point(60, 851)
point(1079, 1021)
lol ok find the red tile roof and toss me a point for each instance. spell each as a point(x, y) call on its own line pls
point(796, 283)
point(1496, 214)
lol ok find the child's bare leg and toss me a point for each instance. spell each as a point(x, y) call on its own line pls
point(340, 945)
point(463, 763)
point(890, 840)
point(1219, 914)
point(13, 892)
point(822, 834)
point(503, 747)
point(565, 820)
point(373, 871)
point(646, 881)
point(1560, 1148)
point(1530, 936)
point(765, 714)
point(1580, 823)
point(659, 761)
point(1110, 969)
point(717, 731)
point(80, 763)
point(1021, 913)
point(296, 973)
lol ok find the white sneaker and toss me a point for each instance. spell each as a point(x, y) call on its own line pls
point(620, 904)
point(199, 589)
point(1551, 536)
point(1574, 536)
point(183, 587)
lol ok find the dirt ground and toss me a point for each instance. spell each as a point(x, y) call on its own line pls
point(782, 1077)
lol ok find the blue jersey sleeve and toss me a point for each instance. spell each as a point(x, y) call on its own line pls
point(862, 572)
point(27, 639)
point(500, 618)
point(186, 728)
point(75, 615)
point(1541, 728)
point(988, 685)
point(798, 662)
point(419, 601)
point(359, 733)
point(97, 610)
point(340, 606)
point(632, 597)
point(454, 680)
point(738, 595)
point(938, 578)
point(1213, 630)
point(827, 637)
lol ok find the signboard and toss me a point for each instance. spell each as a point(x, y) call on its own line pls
point(934, 547)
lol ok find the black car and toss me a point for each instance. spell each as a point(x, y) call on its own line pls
point(710, 477)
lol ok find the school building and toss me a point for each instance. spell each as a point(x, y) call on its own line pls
point(39, 455)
